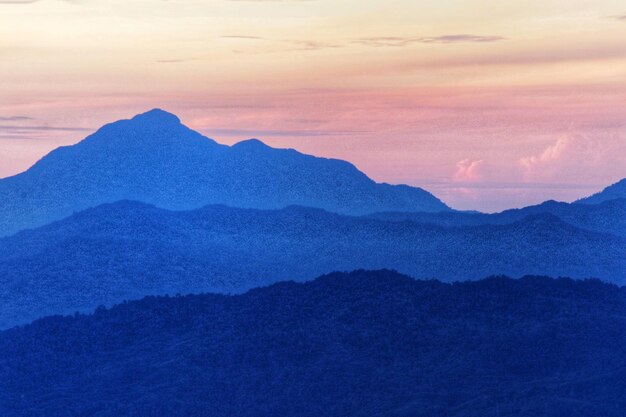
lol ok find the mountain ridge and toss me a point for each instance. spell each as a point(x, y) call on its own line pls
point(365, 343)
point(154, 158)
point(126, 250)
point(612, 192)
point(605, 217)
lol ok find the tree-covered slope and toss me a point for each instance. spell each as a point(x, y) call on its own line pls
point(359, 344)
point(127, 250)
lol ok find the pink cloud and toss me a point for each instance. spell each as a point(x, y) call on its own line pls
point(573, 157)
point(551, 154)
point(469, 170)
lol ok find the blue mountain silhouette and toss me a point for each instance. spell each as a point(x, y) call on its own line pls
point(606, 217)
point(612, 192)
point(155, 159)
point(127, 250)
point(360, 344)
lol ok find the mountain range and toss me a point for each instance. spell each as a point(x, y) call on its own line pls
point(149, 207)
point(131, 210)
point(126, 250)
point(608, 216)
point(359, 344)
point(155, 159)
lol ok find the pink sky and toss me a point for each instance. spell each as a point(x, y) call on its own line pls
point(488, 106)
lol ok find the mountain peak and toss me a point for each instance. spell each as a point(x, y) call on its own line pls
point(157, 116)
point(155, 159)
point(251, 144)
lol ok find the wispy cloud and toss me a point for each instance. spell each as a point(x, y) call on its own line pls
point(175, 60)
point(28, 1)
point(621, 17)
point(17, 2)
point(462, 38)
point(399, 41)
point(37, 132)
point(393, 41)
point(312, 45)
point(279, 133)
point(271, 1)
point(25, 129)
point(378, 41)
point(14, 118)
point(287, 44)
point(244, 37)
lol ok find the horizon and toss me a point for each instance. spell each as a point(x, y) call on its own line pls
point(487, 106)
point(165, 112)
point(442, 174)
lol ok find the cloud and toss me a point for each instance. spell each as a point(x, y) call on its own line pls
point(249, 37)
point(25, 132)
point(573, 156)
point(392, 41)
point(14, 118)
point(175, 60)
point(469, 170)
point(280, 133)
point(312, 45)
point(621, 17)
point(17, 129)
point(30, 1)
point(551, 154)
point(398, 41)
point(462, 38)
point(293, 44)
point(271, 1)
point(379, 41)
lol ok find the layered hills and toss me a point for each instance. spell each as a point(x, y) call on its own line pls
point(127, 250)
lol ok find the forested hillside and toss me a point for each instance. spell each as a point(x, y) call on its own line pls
point(128, 250)
point(358, 344)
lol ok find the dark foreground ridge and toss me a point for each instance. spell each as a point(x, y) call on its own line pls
point(358, 344)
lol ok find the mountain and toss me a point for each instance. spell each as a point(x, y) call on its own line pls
point(605, 217)
point(155, 159)
point(127, 250)
point(358, 344)
point(612, 192)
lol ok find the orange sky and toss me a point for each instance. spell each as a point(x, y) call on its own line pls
point(489, 105)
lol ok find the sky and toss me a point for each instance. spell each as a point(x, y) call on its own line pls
point(489, 105)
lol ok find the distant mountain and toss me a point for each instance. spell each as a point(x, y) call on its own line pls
point(359, 344)
point(612, 192)
point(606, 217)
point(127, 250)
point(155, 159)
